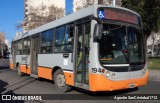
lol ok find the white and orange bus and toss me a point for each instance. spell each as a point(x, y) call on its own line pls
point(100, 48)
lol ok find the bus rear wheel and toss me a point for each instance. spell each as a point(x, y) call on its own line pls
point(60, 82)
point(19, 71)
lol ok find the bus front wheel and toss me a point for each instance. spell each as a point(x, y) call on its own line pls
point(60, 82)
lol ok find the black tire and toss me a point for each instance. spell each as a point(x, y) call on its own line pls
point(59, 80)
point(19, 71)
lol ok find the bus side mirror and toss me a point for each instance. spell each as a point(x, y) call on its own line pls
point(98, 32)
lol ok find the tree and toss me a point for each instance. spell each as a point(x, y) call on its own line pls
point(40, 15)
point(153, 38)
point(149, 11)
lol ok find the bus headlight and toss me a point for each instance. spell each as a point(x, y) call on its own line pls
point(113, 75)
point(107, 74)
point(143, 71)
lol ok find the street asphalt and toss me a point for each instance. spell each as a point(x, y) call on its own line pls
point(11, 83)
point(154, 74)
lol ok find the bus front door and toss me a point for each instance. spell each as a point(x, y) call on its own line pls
point(34, 56)
point(82, 55)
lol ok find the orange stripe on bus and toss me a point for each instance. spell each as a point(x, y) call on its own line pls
point(101, 83)
point(69, 78)
point(28, 70)
point(45, 73)
point(24, 69)
point(11, 66)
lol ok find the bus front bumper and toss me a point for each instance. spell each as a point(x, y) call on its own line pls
point(99, 82)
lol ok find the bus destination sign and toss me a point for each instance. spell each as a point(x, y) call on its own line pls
point(118, 15)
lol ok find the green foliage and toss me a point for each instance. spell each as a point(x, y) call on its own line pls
point(154, 63)
point(149, 11)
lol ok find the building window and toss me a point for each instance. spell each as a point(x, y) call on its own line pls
point(47, 41)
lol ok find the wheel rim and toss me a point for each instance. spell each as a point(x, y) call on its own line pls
point(60, 80)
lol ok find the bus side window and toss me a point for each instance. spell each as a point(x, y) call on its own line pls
point(68, 39)
point(26, 46)
point(59, 39)
point(64, 39)
point(20, 47)
point(47, 41)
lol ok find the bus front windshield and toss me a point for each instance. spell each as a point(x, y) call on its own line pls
point(121, 45)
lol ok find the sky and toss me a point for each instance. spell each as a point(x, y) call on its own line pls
point(11, 11)
point(69, 6)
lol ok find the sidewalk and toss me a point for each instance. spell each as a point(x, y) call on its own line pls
point(154, 74)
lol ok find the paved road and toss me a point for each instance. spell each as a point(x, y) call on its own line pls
point(11, 83)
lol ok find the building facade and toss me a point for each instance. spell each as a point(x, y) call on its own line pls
point(36, 3)
point(80, 4)
point(69, 6)
point(28, 4)
point(153, 45)
point(2, 43)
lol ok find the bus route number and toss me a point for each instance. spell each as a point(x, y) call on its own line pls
point(95, 70)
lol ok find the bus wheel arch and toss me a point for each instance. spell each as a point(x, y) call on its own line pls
point(60, 80)
point(54, 70)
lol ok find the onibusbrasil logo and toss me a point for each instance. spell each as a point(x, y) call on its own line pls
point(14, 97)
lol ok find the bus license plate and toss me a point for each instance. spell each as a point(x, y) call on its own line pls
point(131, 85)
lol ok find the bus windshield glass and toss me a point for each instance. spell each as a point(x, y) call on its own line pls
point(121, 45)
point(136, 47)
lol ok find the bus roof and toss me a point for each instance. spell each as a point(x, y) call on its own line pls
point(91, 10)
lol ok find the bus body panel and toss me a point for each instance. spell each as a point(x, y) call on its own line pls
point(45, 72)
point(69, 76)
point(46, 64)
point(24, 62)
point(11, 62)
point(99, 82)
point(53, 60)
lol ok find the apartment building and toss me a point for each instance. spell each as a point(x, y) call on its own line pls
point(69, 6)
point(153, 44)
point(76, 5)
point(28, 4)
point(36, 3)
point(2, 43)
point(2, 37)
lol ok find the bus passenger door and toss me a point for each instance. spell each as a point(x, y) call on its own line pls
point(34, 56)
point(82, 55)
